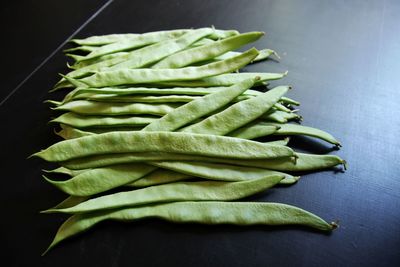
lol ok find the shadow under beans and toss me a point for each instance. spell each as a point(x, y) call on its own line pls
point(310, 145)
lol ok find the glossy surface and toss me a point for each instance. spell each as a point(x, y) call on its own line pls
point(343, 63)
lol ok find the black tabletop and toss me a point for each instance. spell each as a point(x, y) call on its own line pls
point(343, 59)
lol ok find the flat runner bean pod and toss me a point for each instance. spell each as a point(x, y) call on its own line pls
point(173, 142)
point(142, 76)
point(144, 91)
point(86, 107)
point(138, 41)
point(295, 129)
point(238, 114)
point(159, 176)
point(181, 191)
point(199, 107)
point(80, 121)
point(208, 51)
point(221, 172)
point(112, 38)
point(208, 212)
point(227, 79)
point(97, 60)
point(95, 181)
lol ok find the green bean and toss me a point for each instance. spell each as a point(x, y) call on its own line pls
point(112, 38)
point(295, 129)
point(121, 158)
point(208, 212)
point(225, 79)
point(238, 114)
point(199, 107)
point(279, 106)
point(195, 91)
point(138, 41)
point(140, 76)
point(221, 172)
point(92, 61)
point(253, 131)
point(208, 51)
point(85, 107)
point(95, 181)
point(174, 142)
point(181, 191)
point(79, 121)
point(304, 162)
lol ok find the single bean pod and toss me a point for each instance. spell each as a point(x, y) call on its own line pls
point(81, 121)
point(86, 107)
point(227, 79)
point(221, 172)
point(295, 129)
point(112, 38)
point(143, 76)
point(208, 212)
point(181, 191)
point(99, 180)
point(173, 142)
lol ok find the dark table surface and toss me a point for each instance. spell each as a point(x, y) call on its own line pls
point(343, 59)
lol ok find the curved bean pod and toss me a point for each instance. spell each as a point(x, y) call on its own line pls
point(238, 114)
point(209, 212)
point(70, 202)
point(199, 107)
point(86, 107)
point(174, 142)
point(79, 121)
point(143, 76)
point(181, 191)
point(221, 172)
point(208, 51)
point(295, 129)
point(112, 38)
point(95, 181)
point(227, 79)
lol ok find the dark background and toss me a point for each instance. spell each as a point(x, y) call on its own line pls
point(343, 59)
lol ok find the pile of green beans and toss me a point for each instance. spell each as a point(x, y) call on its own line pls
point(166, 120)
